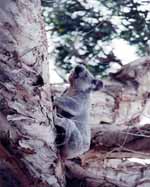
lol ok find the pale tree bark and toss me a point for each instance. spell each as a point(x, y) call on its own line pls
point(28, 156)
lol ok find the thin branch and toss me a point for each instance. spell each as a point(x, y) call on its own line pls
point(61, 76)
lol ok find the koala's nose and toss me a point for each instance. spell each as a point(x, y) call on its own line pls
point(78, 69)
point(100, 84)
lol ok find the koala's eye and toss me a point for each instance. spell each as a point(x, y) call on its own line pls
point(94, 81)
point(78, 69)
point(86, 75)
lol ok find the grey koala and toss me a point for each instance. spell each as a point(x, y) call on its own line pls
point(73, 107)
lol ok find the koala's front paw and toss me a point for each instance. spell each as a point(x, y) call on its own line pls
point(61, 103)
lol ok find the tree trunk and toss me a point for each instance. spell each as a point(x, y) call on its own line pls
point(28, 156)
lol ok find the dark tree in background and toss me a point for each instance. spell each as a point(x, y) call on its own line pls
point(84, 29)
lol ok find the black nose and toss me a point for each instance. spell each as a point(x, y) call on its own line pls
point(78, 69)
point(98, 84)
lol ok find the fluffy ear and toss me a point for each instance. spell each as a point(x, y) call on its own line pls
point(96, 84)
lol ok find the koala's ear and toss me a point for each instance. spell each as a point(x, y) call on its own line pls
point(96, 84)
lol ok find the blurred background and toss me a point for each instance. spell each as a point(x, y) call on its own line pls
point(103, 34)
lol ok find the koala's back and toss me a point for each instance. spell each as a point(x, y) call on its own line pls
point(81, 119)
point(82, 101)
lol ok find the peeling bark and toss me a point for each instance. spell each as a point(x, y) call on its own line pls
point(124, 103)
point(133, 138)
point(25, 106)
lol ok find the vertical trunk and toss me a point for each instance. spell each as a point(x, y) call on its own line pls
point(25, 106)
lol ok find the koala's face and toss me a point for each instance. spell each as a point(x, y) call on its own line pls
point(81, 79)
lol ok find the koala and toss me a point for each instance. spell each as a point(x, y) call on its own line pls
point(73, 107)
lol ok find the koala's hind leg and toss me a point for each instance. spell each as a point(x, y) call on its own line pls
point(71, 145)
point(74, 147)
point(64, 128)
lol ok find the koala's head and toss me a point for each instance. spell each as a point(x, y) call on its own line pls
point(81, 79)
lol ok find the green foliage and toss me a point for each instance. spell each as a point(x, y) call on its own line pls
point(135, 19)
point(84, 31)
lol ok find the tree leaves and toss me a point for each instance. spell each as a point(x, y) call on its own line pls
point(84, 30)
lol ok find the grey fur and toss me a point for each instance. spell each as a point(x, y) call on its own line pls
point(75, 101)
